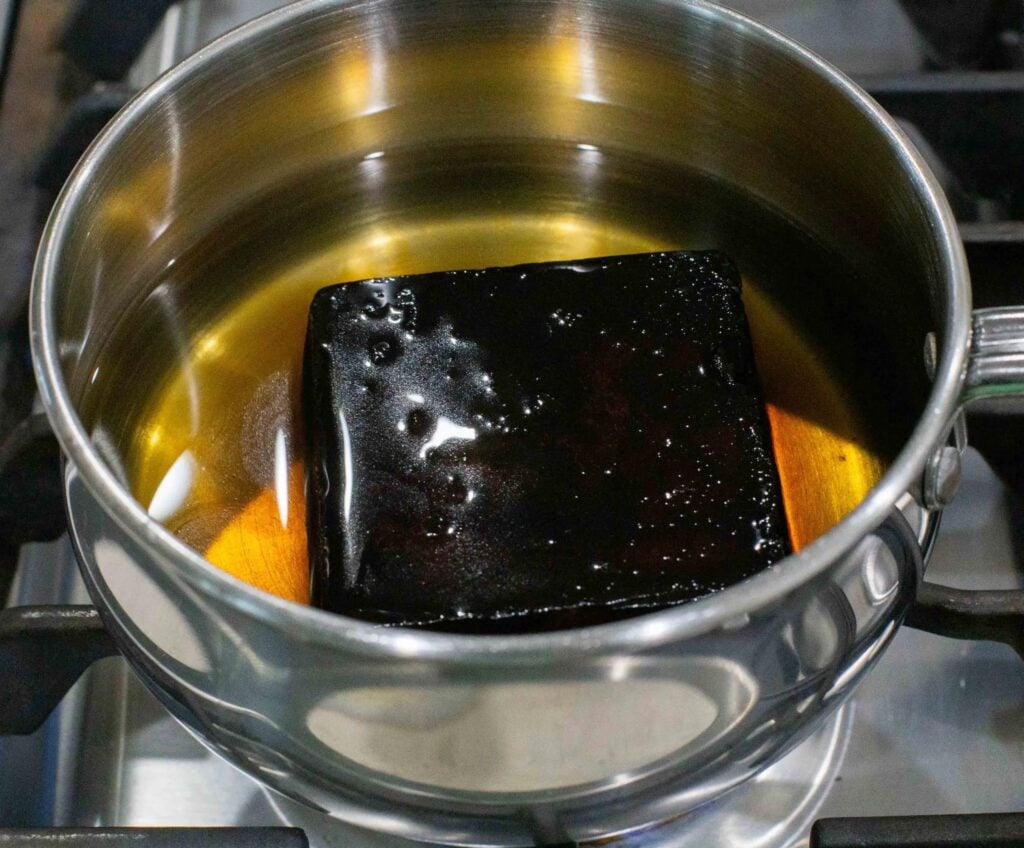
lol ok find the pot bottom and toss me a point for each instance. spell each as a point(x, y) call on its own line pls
point(773, 810)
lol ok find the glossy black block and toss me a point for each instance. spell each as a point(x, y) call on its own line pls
point(536, 447)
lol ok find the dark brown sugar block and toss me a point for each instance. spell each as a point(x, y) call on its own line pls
point(536, 447)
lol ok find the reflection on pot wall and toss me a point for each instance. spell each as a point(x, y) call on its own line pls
point(527, 736)
point(601, 740)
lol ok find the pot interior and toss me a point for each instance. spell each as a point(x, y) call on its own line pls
point(376, 139)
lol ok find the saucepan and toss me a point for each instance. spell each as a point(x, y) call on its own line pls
point(591, 732)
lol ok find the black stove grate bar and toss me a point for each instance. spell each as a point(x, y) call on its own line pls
point(974, 124)
point(994, 830)
point(43, 651)
point(995, 254)
point(154, 837)
point(31, 492)
point(104, 37)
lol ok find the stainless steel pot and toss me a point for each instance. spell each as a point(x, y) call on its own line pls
point(581, 734)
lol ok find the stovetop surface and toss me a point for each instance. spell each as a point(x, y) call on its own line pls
point(935, 727)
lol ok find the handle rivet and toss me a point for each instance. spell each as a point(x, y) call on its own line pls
point(942, 477)
point(931, 355)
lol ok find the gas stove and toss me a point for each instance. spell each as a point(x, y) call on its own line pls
point(935, 728)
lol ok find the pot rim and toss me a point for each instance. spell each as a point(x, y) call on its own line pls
point(642, 632)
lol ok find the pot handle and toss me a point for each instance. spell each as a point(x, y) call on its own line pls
point(995, 369)
point(994, 384)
